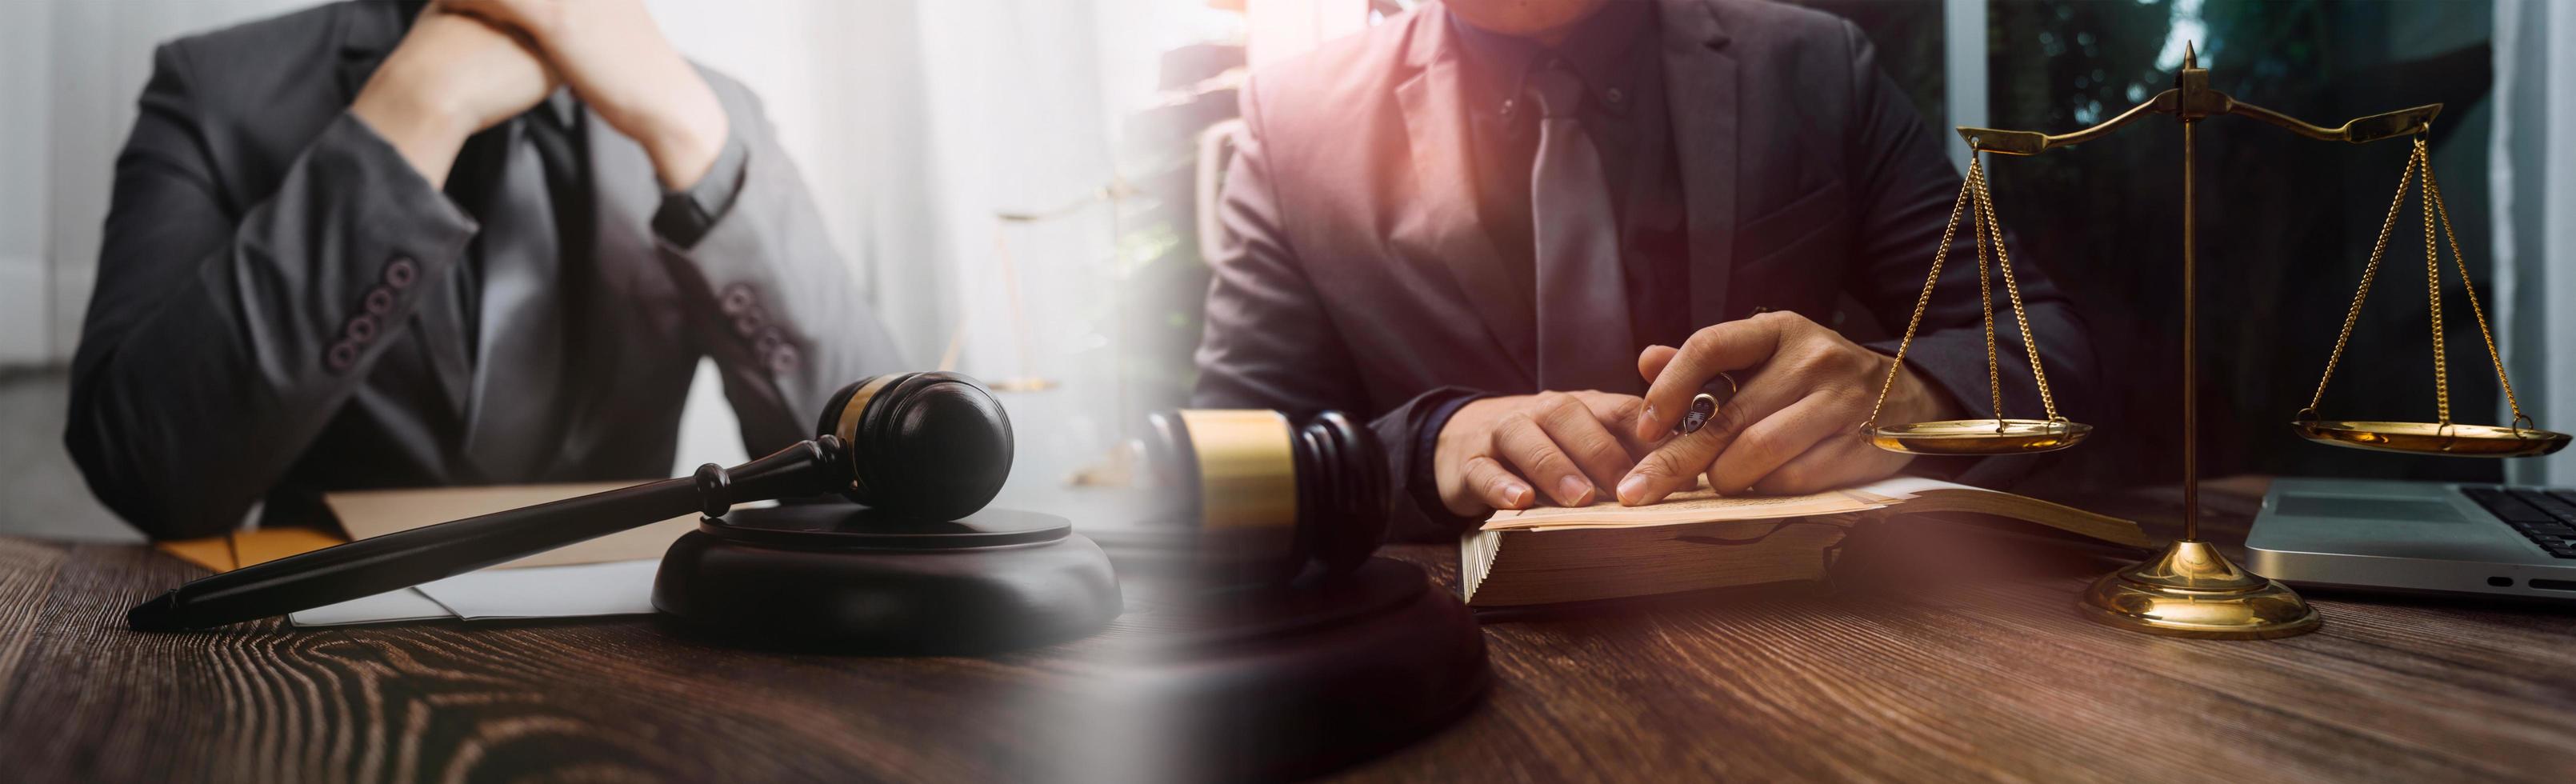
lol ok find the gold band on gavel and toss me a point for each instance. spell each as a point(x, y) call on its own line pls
point(1247, 471)
point(847, 428)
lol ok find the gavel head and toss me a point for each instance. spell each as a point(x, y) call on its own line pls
point(935, 445)
point(1271, 499)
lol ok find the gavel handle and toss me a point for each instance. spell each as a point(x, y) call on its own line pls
point(406, 558)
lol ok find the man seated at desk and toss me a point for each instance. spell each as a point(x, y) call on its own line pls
point(1484, 224)
point(382, 244)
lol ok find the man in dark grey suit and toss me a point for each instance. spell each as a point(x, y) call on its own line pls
point(376, 244)
point(1487, 225)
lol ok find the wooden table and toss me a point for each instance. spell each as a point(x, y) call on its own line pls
point(2007, 683)
point(84, 699)
point(1989, 680)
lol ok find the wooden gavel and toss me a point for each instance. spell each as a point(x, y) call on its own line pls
point(927, 445)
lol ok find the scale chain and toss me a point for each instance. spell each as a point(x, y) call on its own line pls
point(2021, 316)
point(1976, 201)
point(2433, 196)
point(1986, 305)
point(1948, 233)
point(2433, 291)
point(2369, 273)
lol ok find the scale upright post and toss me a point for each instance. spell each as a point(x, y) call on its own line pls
point(2191, 589)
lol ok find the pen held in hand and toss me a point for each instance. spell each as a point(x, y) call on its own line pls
point(1704, 405)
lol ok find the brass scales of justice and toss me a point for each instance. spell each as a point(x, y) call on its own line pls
point(2191, 589)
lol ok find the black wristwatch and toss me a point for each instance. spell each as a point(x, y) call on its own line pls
point(686, 216)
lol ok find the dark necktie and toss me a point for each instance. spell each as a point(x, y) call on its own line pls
point(1583, 340)
point(540, 222)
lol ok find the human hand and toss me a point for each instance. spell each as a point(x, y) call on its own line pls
point(449, 77)
point(1494, 451)
point(616, 59)
point(1791, 427)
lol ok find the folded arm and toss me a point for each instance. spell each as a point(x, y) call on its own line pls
point(221, 338)
point(766, 294)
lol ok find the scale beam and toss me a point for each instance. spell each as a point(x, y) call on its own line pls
point(2359, 130)
point(2192, 99)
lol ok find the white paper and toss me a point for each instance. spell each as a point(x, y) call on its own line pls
point(1907, 487)
point(573, 591)
point(408, 604)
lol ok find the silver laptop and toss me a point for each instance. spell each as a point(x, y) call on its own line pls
point(2420, 536)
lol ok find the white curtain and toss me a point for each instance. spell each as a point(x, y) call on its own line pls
point(2533, 186)
point(69, 71)
point(25, 73)
point(1024, 103)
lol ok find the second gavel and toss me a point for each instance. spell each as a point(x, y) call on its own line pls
point(1271, 499)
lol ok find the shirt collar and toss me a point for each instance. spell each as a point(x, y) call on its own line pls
point(1601, 50)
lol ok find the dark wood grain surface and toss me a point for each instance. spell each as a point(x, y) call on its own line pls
point(84, 699)
point(1987, 677)
point(1998, 679)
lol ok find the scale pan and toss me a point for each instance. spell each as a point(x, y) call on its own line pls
point(2428, 438)
point(1980, 436)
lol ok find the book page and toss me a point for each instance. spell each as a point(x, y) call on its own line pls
point(1698, 506)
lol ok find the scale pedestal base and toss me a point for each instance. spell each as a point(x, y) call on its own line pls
point(2192, 591)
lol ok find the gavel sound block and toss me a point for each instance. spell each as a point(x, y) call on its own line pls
point(850, 577)
point(1295, 651)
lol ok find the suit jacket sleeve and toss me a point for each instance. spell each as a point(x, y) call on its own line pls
point(767, 295)
point(222, 337)
point(1270, 344)
point(1907, 188)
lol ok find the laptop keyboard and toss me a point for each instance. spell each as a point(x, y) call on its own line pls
point(2547, 517)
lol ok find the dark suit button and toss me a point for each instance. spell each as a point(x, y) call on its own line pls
point(736, 300)
point(749, 324)
point(342, 355)
point(768, 342)
point(380, 301)
point(784, 359)
point(401, 273)
point(360, 330)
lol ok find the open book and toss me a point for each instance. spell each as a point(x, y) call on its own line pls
point(1697, 540)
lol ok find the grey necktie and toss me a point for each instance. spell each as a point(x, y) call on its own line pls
point(511, 433)
point(1583, 340)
